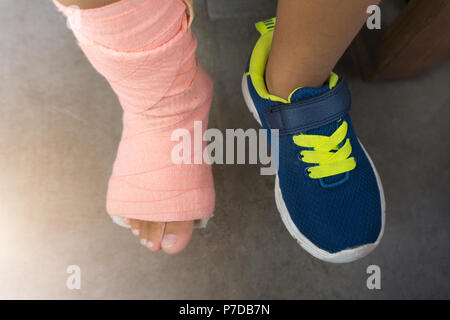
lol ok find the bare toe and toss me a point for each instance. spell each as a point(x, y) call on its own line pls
point(176, 236)
point(155, 234)
point(135, 226)
point(172, 237)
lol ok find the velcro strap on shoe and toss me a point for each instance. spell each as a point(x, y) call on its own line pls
point(310, 113)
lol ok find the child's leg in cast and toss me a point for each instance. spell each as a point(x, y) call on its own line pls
point(146, 51)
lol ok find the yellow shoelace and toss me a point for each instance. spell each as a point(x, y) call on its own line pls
point(330, 159)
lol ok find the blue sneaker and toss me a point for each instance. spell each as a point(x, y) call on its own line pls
point(327, 189)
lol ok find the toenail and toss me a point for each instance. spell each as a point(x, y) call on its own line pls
point(135, 232)
point(169, 240)
point(143, 242)
point(149, 244)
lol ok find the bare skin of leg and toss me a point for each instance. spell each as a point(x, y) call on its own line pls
point(172, 237)
point(309, 39)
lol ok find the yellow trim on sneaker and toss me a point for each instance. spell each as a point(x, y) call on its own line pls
point(266, 25)
point(258, 62)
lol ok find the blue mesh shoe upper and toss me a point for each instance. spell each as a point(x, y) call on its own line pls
point(337, 212)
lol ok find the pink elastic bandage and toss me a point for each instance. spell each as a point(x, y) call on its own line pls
point(146, 51)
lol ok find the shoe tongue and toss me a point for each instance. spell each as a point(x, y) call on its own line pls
point(303, 93)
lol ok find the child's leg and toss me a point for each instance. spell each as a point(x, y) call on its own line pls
point(309, 38)
point(146, 51)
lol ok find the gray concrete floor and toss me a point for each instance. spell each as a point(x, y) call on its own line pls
point(59, 129)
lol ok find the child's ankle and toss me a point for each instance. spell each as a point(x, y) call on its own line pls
point(282, 84)
point(276, 88)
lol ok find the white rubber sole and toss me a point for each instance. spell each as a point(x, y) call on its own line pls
point(343, 256)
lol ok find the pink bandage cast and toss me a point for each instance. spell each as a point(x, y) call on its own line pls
point(146, 51)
